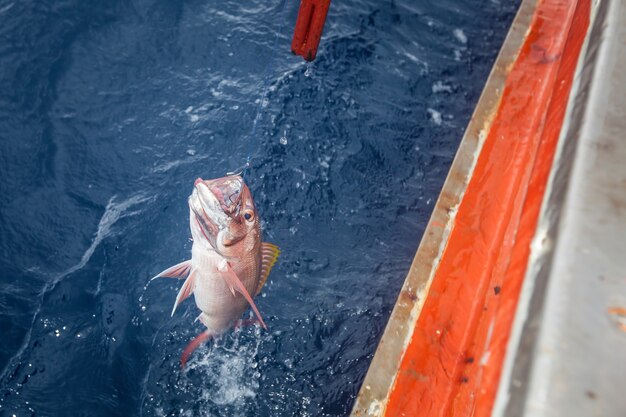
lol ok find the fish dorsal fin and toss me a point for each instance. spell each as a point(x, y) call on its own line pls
point(269, 255)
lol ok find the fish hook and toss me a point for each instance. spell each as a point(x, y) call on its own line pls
point(239, 171)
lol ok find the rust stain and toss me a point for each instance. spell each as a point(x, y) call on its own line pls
point(620, 311)
point(416, 375)
point(620, 319)
point(618, 204)
point(408, 295)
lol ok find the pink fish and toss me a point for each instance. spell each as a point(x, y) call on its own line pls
point(229, 263)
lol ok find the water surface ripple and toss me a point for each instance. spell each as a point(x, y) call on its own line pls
point(110, 110)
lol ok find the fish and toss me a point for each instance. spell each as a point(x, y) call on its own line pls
point(229, 262)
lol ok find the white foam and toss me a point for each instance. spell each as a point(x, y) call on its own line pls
point(7, 8)
point(413, 58)
point(113, 212)
point(440, 87)
point(177, 162)
point(460, 35)
point(229, 374)
point(435, 116)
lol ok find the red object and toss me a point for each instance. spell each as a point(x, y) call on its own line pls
point(309, 27)
point(453, 363)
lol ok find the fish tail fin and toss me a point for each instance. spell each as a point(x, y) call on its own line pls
point(193, 345)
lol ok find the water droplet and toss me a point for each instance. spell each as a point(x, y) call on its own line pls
point(308, 72)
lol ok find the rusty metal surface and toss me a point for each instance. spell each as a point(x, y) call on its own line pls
point(379, 380)
point(567, 355)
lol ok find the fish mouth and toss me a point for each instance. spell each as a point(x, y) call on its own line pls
point(215, 203)
point(227, 191)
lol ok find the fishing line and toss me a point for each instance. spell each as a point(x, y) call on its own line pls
point(252, 137)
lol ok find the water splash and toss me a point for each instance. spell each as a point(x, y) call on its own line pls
point(223, 377)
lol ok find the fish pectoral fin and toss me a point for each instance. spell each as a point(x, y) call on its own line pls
point(179, 271)
point(186, 290)
point(269, 255)
point(233, 281)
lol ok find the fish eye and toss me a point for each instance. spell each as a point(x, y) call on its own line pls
point(248, 215)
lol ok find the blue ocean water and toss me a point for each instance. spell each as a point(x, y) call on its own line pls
point(110, 110)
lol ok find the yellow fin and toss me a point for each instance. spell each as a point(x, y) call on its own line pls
point(269, 255)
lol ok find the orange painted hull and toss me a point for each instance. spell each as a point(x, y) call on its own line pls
point(453, 360)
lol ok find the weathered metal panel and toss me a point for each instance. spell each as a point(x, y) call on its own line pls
point(381, 375)
point(569, 355)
